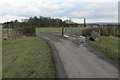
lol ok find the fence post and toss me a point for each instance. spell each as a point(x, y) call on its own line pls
point(84, 22)
point(62, 31)
point(8, 33)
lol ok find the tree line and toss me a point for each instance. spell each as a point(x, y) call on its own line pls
point(40, 22)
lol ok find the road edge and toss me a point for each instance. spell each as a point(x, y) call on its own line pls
point(59, 67)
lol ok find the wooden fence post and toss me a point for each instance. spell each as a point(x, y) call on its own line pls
point(84, 22)
point(8, 33)
point(62, 31)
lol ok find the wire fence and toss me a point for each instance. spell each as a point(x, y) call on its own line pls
point(13, 33)
point(104, 30)
point(74, 30)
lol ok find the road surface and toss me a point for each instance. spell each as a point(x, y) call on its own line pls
point(74, 59)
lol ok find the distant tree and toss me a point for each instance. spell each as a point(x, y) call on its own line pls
point(41, 22)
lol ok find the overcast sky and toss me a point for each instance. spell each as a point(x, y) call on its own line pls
point(92, 10)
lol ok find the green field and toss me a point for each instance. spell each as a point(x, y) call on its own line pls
point(49, 30)
point(107, 45)
point(59, 30)
point(28, 57)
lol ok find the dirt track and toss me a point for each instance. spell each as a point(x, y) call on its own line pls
point(75, 59)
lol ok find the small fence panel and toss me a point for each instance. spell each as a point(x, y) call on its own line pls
point(74, 30)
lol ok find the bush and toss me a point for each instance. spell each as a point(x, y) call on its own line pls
point(103, 31)
point(27, 31)
point(87, 32)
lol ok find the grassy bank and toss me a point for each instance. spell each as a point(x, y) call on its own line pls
point(28, 57)
point(108, 46)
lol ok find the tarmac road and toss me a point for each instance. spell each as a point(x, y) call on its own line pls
point(73, 59)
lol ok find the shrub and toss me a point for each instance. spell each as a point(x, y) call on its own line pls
point(87, 32)
point(103, 31)
point(27, 31)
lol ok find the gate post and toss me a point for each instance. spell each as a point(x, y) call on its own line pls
point(84, 22)
point(62, 31)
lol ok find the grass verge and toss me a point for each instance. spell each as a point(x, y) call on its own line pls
point(28, 57)
point(108, 46)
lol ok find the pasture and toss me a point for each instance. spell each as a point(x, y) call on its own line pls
point(28, 57)
point(70, 30)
